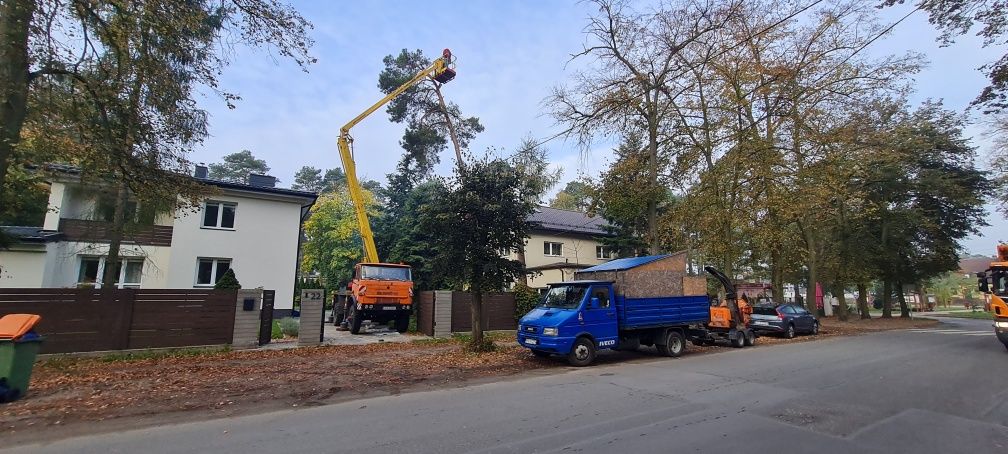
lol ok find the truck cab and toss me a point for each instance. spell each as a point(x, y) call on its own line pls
point(570, 311)
point(380, 292)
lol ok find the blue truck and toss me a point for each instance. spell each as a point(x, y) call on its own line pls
point(628, 303)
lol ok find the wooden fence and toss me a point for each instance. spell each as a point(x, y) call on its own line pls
point(498, 311)
point(80, 320)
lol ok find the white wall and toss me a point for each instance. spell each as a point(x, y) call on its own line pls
point(576, 249)
point(22, 268)
point(262, 246)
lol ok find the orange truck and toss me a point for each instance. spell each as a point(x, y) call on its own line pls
point(994, 282)
point(381, 293)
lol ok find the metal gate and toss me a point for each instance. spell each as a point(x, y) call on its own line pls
point(266, 317)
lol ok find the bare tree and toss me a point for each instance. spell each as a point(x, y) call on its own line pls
point(630, 85)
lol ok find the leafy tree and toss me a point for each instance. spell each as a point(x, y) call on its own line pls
point(624, 197)
point(27, 201)
point(476, 214)
point(102, 51)
point(429, 119)
point(531, 162)
point(308, 179)
point(575, 196)
point(925, 197)
point(237, 167)
point(228, 281)
point(333, 243)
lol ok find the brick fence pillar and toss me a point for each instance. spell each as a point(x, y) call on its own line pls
point(312, 302)
point(246, 326)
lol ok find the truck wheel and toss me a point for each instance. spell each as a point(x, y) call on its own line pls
point(541, 354)
point(402, 323)
point(750, 338)
point(789, 334)
point(738, 341)
point(355, 320)
point(582, 352)
point(673, 345)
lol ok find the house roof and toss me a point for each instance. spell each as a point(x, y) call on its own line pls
point(71, 170)
point(557, 220)
point(625, 263)
point(261, 189)
point(30, 234)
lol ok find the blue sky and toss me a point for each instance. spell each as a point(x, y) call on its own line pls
point(510, 54)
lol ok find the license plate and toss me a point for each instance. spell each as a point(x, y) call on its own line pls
point(761, 323)
point(532, 341)
point(389, 308)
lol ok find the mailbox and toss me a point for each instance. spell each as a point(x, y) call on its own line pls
point(248, 304)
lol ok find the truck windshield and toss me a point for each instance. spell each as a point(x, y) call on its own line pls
point(999, 283)
point(385, 273)
point(564, 296)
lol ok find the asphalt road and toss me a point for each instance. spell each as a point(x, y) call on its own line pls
point(928, 391)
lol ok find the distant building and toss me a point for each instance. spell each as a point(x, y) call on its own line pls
point(563, 242)
point(253, 228)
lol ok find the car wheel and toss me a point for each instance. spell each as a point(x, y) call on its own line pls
point(750, 338)
point(582, 352)
point(790, 332)
point(815, 328)
point(738, 341)
point(673, 346)
point(541, 354)
point(402, 323)
point(355, 320)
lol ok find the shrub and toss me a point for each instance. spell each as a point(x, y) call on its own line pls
point(526, 299)
point(228, 281)
point(289, 326)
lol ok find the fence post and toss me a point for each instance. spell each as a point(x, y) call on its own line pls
point(442, 313)
point(246, 325)
point(312, 303)
point(126, 298)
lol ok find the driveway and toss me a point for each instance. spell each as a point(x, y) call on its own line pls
point(921, 391)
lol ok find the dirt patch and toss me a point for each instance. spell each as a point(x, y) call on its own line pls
point(75, 393)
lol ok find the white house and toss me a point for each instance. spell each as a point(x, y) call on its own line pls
point(253, 228)
point(561, 243)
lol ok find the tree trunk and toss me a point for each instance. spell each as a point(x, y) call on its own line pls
point(886, 298)
point(797, 297)
point(777, 277)
point(521, 258)
point(862, 301)
point(476, 314)
point(652, 205)
point(116, 233)
point(813, 279)
point(838, 292)
point(451, 130)
point(15, 19)
point(904, 309)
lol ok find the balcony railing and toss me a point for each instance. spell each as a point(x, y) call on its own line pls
point(101, 232)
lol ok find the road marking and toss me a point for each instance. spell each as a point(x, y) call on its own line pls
point(961, 332)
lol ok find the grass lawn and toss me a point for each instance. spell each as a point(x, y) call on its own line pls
point(982, 315)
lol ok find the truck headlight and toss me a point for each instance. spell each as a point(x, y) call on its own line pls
point(549, 331)
point(997, 324)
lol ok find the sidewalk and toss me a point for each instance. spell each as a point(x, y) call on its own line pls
point(333, 336)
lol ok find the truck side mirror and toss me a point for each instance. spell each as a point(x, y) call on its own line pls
point(595, 302)
point(982, 283)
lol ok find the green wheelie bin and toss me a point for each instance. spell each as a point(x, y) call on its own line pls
point(18, 347)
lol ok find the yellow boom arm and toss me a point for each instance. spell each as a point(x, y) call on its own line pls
point(440, 72)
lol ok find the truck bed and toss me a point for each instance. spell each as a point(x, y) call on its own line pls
point(638, 313)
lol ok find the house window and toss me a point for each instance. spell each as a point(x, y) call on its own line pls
point(604, 252)
point(553, 249)
point(128, 274)
point(218, 215)
point(209, 271)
